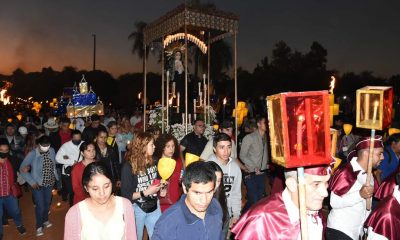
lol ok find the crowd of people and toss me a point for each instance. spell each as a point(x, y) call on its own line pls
point(106, 168)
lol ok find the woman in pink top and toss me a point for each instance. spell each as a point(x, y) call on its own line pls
point(89, 153)
point(102, 215)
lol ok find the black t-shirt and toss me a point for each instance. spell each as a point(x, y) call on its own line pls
point(194, 144)
point(131, 183)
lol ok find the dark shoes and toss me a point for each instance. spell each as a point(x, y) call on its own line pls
point(21, 229)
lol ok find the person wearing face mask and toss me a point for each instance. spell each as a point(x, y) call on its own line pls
point(8, 177)
point(68, 155)
point(41, 178)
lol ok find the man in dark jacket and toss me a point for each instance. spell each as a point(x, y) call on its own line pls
point(90, 132)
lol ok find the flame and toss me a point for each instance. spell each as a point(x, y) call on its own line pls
point(3, 98)
point(301, 118)
point(170, 100)
point(224, 102)
point(140, 95)
point(376, 104)
point(332, 85)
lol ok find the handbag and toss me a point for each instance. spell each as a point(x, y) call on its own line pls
point(16, 190)
point(166, 200)
point(147, 204)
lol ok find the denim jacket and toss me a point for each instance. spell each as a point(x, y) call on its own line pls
point(35, 160)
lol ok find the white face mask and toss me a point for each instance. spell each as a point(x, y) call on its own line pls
point(44, 149)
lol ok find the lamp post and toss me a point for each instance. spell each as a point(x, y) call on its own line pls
point(94, 52)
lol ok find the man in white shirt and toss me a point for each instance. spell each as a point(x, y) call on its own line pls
point(350, 191)
point(137, 117)
point(68, 155)
point(227, 128)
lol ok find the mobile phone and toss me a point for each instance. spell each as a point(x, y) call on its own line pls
point(156, 181)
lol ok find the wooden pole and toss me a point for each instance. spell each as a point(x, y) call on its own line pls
point(302, 203)
point(369, 169)
point(235, 77)
point(144, 86)
point(186, 78)
point(208, 77)
point(162, 85)
point(167, 97)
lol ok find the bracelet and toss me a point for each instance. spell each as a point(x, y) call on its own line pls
point(142, 194)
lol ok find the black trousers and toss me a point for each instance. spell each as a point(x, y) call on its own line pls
point(333, 234)
point(67, 192)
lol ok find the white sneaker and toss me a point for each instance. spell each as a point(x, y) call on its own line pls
point(47, 224)
point(39, 232)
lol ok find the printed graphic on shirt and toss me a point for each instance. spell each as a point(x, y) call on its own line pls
point(144, 181)
point(228, 184)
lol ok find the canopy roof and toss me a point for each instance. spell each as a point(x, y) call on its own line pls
point(220, 24)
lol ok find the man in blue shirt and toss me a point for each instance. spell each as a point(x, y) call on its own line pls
point(197, 215)
point(391, 157)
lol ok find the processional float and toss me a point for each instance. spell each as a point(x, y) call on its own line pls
point(195, 26)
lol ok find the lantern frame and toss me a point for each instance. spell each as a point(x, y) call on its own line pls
point(281, 118)
point(366, 97)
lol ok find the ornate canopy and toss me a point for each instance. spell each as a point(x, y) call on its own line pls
point(222, 24)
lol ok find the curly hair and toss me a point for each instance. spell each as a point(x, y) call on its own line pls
point(137, 155)
point(161, 143)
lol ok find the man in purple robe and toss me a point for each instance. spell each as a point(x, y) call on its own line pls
point(277, 217)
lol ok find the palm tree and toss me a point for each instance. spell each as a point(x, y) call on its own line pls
point(138, 39)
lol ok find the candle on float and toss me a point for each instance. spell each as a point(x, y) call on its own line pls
point(195, 116)
point(299, 147)
point(376, 104)
point(199, 87)
point(205, 97)
point(173, 89)
point(194, 106)
point(178, 102)
point(366, 106)
point(183, 119)
point(190, 118)
point(223, 109)
point(200, 99)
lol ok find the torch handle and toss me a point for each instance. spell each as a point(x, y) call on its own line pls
point(302, 203)
point(369, 169)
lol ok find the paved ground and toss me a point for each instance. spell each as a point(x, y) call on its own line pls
point(56, 217)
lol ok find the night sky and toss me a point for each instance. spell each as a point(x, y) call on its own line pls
point(359, 35)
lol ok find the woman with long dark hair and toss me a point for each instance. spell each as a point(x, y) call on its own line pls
point(140, 185)
point(88, 153)
point(167, 147)
point(102, 215)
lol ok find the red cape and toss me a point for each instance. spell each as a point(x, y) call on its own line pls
point(387, 186)
point(385, 219)
point(267, 219)
point(344, 178)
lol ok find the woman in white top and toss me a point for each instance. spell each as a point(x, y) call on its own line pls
point(103, 215)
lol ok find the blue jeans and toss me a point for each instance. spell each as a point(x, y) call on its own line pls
point(146, 219)
point(10, 204)
point(42, 199)
point(255, 185)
